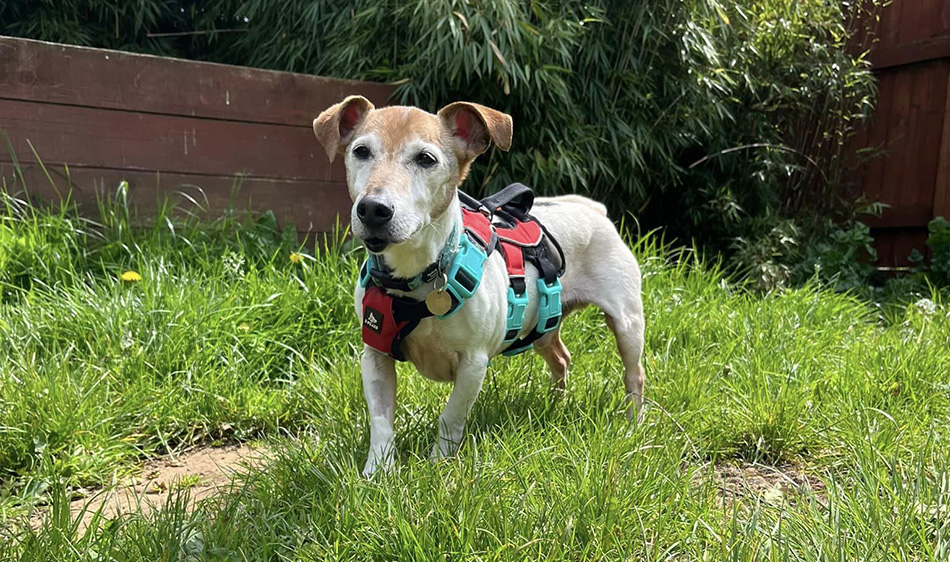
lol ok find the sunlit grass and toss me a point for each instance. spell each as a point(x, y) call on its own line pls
point(233, 330)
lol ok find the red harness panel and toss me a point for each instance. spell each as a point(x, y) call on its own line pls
point(380, 329)
point(514, 259)
point(478, 224)
point(525, 234)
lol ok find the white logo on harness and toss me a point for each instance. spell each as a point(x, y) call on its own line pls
point(373, 319)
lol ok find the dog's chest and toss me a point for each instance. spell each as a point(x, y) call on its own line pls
point(436, 347)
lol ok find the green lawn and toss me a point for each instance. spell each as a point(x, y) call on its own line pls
point(226, 338)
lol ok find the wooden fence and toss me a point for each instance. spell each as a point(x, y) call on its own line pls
point(910, 126)
point(167, 125)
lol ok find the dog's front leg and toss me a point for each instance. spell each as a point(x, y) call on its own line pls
point(379, 389)
point(468, 383)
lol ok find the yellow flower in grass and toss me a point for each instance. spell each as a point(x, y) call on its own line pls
point(295, 257)
point(130, 277)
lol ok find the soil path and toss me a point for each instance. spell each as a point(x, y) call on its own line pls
point(202, 471)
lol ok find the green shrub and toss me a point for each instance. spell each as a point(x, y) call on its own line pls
point(840, 255)
point(937, 271)
point(700, 116)
point(939, 242)
point(843, 257)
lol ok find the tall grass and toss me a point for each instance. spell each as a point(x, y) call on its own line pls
point(227, 338)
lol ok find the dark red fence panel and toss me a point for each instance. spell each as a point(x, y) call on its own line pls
point(910, 126)
point(168, 125)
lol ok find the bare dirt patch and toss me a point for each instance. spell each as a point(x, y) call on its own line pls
point(202, 471)
point(765, 483)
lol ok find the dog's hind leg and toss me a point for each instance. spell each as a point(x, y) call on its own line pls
point(628, 327)
point(616, 291)
point(556, 355)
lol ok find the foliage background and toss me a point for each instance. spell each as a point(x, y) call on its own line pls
point(639, 103)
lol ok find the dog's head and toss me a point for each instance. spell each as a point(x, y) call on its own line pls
point(403, 164)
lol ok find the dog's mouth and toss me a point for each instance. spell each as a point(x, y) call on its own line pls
point(375, 245)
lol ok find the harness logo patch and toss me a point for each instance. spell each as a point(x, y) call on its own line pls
point(373, 319)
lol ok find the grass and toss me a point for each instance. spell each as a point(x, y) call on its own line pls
point(226, 338)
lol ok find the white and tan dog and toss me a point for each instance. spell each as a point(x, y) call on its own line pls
point(403, 168)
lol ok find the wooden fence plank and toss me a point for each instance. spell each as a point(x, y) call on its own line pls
point(931, 134)
point(890, 25)
point(49, 72)
point(309, 205)
point(941, 202)
point(911, 15)
point(902, 55)
point(903, 215)
point(905, 186)
point(896, 145)
point(878, 136)
point(932, 21)
point(86, 137)
point(894, 246)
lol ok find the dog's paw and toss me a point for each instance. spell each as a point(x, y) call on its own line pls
point(445, 448)
point(376, 463)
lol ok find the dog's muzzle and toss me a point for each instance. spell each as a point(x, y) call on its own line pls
point(375, 214)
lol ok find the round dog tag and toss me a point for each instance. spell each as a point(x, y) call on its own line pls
point(439, 302)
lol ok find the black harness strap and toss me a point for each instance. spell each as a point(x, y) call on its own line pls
point(384, 279)
point(532, 337)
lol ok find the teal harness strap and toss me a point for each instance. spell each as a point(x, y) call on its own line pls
point(464, 275)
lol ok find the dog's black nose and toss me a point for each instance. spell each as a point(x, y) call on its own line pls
point(374, 213)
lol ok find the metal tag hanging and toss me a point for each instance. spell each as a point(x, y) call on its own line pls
point(439, 302)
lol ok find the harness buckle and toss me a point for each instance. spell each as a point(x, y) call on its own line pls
point(549, 305)
point(365, 275)
point(465, 273)
point(517, 304)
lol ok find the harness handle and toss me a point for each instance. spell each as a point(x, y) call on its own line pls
point(516, 197)
point(469, 202)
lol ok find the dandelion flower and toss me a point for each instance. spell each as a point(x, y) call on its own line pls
point(295, 257)
point(926, 306)
point(130, 277)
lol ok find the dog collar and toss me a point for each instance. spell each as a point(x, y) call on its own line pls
point(375, 272)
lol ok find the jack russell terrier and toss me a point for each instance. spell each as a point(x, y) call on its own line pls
point(451, 282)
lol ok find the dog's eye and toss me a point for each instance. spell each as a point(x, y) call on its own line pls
point(362, 152)
point(425, 160)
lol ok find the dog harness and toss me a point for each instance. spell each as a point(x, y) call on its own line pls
point(501, 222)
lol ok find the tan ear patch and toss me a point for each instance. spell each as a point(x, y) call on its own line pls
point(335, 126)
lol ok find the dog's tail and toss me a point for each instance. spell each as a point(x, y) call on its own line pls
point(589, 203)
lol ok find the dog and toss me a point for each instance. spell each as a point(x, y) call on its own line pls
point(404, 167)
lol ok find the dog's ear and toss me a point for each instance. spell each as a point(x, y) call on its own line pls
point(334, 127)
point(476, 127)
